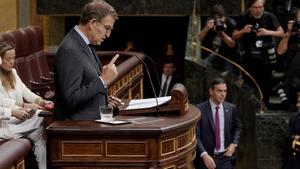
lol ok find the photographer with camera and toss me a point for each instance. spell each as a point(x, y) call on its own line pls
point(256, 30)
point(216, 35)
point(294, 133)
point(289, 47)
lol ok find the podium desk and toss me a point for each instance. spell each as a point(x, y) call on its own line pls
point(165, 142)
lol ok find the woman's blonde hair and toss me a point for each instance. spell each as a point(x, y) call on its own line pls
point(7, 78)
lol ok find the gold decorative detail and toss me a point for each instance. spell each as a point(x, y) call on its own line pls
point(144, 143)
point(189, 140)
point(63, 150)
point(126, 81)
point(162, 147)
point(170, 167)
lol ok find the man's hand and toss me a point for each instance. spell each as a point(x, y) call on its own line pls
point(290, 27)
point(114, 101)
point(262, 32)
point(247, 29)
point(208, 161)
point(109, 71)
point(20, 114)
point(229, 151)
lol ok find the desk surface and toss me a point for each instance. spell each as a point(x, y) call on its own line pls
point(145, 125)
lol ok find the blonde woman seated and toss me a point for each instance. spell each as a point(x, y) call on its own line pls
point(16, 117)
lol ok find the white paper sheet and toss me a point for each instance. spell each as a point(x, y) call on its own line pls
point(147, 103)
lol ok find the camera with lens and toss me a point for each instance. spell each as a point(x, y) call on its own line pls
point(219, 25)
point(254, 28)
point(296, 26)
point(280, 90)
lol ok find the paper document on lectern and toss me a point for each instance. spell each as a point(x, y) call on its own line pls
point(147, 103)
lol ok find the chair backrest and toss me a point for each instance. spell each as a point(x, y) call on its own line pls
point(33, 68)
point(23, 71)
point(7, 36)
point(39, 35)
point(43, 64)
point(21, 43)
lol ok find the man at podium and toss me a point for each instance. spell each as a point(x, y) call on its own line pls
point(80, 80)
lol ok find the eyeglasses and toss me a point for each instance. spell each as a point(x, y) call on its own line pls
point(108, 28)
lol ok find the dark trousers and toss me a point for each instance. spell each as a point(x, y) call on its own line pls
point(222, 162)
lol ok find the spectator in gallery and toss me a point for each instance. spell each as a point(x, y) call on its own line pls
point(257, 31)
point(294, 133)
point(289, 47)
point(216, 35)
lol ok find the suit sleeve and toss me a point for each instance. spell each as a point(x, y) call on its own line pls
point(237, 126)
point(199, 133)
point(200, 146)
point(69, 72)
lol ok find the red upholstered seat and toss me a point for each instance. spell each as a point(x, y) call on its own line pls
point(23, 71)
point(8, 37)
point(21, 43)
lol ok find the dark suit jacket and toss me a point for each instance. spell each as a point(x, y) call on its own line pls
point(205, 131)
point(78, 89)
point(172, 82)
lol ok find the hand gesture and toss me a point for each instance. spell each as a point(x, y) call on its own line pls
point(262, 32)
point(290, 26)
point(109, 71)
point(32, 106)
point(229, 151)
point(20, 114)
point(247, 28)
point(209, 161)
point(114, 101)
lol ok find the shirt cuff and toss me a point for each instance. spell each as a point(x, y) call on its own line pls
point(6, 113)
point(103, 82)
point(202, 154)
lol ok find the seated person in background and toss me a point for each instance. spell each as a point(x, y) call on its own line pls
point(294, 131)
point(290, 46)
point(19, 119)
point(216, 35)
point(167, 78)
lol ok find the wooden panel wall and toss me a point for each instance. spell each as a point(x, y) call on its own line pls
point(9, 15)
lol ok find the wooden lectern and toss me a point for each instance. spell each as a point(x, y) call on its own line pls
point(149, 141)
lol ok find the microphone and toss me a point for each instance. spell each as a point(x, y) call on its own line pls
point(154, 67)
point(151, 83)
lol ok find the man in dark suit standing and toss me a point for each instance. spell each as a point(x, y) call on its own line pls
point(218, 130)
point(80, 79)
point(167, 78)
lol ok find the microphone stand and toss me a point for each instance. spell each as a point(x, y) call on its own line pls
point(151, 83)
point(154, 67)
